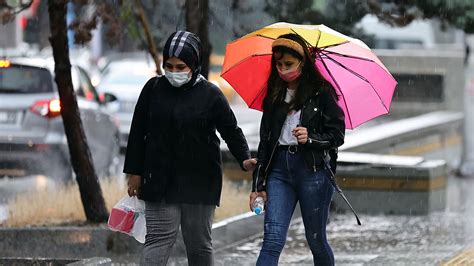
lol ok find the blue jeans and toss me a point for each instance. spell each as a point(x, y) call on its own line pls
point(291, 181)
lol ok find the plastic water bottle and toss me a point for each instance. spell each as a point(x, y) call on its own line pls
point(258, 206)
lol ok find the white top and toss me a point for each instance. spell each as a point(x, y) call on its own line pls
point(292, 121)
point(290, 94)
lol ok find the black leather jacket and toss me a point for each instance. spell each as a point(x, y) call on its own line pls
point(324, 120)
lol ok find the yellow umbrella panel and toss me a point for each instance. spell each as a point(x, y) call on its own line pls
point(316, 35)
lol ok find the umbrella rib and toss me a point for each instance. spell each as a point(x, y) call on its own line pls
point(359, 76)
point(241, 61)
point(304, 39)
point(339, 87)
point(326, 52)
point(354, 57)
point(256, 97)
point(263, 36)
point(332, 45)
point(241, 95)
point(346, 68)
point(247, 37)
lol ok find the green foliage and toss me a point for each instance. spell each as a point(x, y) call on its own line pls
point(340, 15)
point(459, 13)
point(127, 16)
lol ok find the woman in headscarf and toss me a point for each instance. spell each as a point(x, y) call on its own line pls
point(173, 159)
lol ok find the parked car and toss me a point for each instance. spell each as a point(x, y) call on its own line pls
point(32, 134)
point(125, 78)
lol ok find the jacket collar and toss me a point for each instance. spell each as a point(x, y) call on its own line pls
point(311, 108)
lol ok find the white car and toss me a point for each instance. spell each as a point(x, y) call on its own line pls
point(125, 79)
point(32, 137)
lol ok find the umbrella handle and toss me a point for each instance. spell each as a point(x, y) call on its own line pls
point(332, 179)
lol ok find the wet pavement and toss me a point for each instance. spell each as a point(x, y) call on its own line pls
point(381, 240)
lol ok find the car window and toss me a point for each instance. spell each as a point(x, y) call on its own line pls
point(124, 77)
point(127, 74)
point(25, 79)
point(86, 89)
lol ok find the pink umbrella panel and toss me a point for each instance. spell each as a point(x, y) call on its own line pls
point(363, 85)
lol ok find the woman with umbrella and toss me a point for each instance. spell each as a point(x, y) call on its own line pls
point(301, 122)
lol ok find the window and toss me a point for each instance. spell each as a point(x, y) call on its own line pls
point(25, 79)
point(419, 88)
point(86, 89)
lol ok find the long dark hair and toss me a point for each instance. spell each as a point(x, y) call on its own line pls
point(310, 79)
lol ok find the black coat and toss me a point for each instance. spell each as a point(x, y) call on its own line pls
point(173, 144)
point(324, 120)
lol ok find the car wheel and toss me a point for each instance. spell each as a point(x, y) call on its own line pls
point(62, 173)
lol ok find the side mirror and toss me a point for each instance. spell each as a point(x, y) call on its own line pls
point(108, 98)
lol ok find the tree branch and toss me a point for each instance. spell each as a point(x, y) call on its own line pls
point(8, 13)
point(149, 38)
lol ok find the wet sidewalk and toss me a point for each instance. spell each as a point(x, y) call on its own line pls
point(381, 240)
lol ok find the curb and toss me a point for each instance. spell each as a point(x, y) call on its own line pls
point(73, 243)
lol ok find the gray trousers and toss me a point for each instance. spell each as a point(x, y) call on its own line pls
point(162, 225)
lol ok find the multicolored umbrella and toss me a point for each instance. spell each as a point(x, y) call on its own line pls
point(363, 84)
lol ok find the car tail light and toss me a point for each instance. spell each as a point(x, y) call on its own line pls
point(5, 64)
point(102, 97)
point(23, 22)
point(47, 108)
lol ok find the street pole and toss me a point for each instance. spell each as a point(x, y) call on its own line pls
point(467, 163)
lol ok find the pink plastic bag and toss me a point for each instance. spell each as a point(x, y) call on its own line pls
point(128, 216)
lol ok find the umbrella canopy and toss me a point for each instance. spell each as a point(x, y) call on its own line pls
point(363, 84)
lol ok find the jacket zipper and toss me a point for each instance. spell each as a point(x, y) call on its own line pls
point(269, 161)
point(301, 121)
point(149, 176)
point(301, 116)
point(314, 162)
point(258, 175)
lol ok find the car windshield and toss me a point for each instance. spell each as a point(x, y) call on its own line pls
point(126, 78)
point(25, 79)
point(128, 74)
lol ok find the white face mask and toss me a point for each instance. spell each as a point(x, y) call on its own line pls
point(178, 79)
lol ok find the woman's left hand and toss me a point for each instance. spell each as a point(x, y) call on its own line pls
point(301, 134)
point(250, 164)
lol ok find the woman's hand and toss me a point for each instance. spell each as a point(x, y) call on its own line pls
point(301, 134)
point(134, 182)
point(250, 164)
point(254, 195)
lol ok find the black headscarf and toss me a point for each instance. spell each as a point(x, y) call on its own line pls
point(187, 47)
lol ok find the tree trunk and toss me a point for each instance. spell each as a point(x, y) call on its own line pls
point(197, 17)
point(89, 187)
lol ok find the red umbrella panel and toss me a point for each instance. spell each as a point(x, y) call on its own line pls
point(246, 68)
